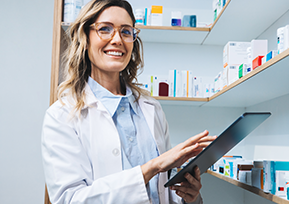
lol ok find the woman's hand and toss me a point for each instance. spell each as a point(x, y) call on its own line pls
point(190, 189)
point(176, 156)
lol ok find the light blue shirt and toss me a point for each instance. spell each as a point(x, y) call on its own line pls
point(138, 145)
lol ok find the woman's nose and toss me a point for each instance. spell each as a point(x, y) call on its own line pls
point(116, 39)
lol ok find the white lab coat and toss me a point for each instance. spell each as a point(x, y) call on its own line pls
point(82, 155)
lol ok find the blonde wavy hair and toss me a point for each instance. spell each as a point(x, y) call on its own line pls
point(77, 66)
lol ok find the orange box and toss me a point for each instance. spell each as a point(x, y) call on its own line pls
point(157, 9)
point(257, 62)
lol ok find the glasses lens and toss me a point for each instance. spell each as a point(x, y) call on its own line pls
point(104, 30)
point(128, 33)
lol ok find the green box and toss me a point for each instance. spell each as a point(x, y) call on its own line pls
point(241, 70)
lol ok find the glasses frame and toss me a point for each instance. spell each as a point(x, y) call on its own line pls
point(115, 29)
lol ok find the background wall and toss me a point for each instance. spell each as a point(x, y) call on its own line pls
point(25, 64)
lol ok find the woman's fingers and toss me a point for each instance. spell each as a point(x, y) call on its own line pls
point(189, 190)
point(195, 138)
point(207, 139)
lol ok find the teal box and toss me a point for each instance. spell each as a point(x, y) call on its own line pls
point(189, 21)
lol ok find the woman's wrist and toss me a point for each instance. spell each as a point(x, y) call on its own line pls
point(149, 170)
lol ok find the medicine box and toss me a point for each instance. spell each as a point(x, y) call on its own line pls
point(157, 16)
point(259, 48)
point(257, 62)
point(241, 67)
point(189, 21)
point(217, 83)
point(235, 53)
point(283, 38)
point(175, 83)
point(224, 78)
point(233, 73)
point(257, 174)
point(197, 87)
point(271, 54)
point(276, 174)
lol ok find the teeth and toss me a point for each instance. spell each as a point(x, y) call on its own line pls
point(114, 53)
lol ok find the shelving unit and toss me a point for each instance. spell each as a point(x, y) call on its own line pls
point(249, 188)
point(247, 91)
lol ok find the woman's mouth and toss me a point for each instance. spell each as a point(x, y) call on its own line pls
point(114, 53)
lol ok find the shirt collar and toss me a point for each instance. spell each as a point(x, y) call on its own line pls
point(108, 99)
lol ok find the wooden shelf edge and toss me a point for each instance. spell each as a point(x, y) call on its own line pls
point(65, 25)
point(249, 188)
point(220, 14)
point(180, 98)
point(256, 71)
point(174, 28)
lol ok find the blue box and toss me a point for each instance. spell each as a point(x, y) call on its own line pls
point(189, 21)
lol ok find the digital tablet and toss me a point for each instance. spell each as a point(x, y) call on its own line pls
point(236, 132)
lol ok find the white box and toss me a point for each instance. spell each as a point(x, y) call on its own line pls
point(171, 83)
point(217, 83)
point(175, 83)
point(235, 53)
point(259, 48)
point(156, 19)
point(207, 91)
point(283, 38)
point(212, 89)
point(224, 78)
point(154, 86)
point(197, 87)
point(233, 73)
point(186, 83)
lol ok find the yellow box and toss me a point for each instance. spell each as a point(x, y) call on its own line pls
point(157, 9)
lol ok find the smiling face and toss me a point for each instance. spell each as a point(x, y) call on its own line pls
point(109, 57)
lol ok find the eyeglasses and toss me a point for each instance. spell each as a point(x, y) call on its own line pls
point(106, 31)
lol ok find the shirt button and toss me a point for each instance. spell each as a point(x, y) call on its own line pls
point(122, 109)
point(131, 139)
point(115, 152)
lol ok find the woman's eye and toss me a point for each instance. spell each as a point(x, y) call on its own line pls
point(127, 31)
point(105, 29)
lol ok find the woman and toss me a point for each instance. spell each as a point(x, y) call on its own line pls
point(105, 140)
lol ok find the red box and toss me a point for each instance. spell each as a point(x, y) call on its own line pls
point(163, 89)
point(257, 62)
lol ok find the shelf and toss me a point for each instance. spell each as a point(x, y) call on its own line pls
point(170, 34)
point(245, 20)
point(255, 87)
point(181, 101)
point(249, 188)
point(261, 84)
point(257, 21)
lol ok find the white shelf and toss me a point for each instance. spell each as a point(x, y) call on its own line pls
point(245, 20)
point(256, 87)
point(239, 21)
point(249, 188)
point(266, 82)
point(169, 34)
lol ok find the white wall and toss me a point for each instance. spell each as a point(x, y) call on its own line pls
point(25, 64)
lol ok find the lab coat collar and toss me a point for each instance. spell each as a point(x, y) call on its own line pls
point(91, 98)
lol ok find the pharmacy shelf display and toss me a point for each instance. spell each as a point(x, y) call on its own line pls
point(249, 188)
point(230, 25)
point(253, 88)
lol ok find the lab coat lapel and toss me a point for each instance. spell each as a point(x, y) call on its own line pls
point(148, 110)
point(104, 138)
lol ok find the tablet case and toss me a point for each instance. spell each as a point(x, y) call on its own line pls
point(236, 132)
